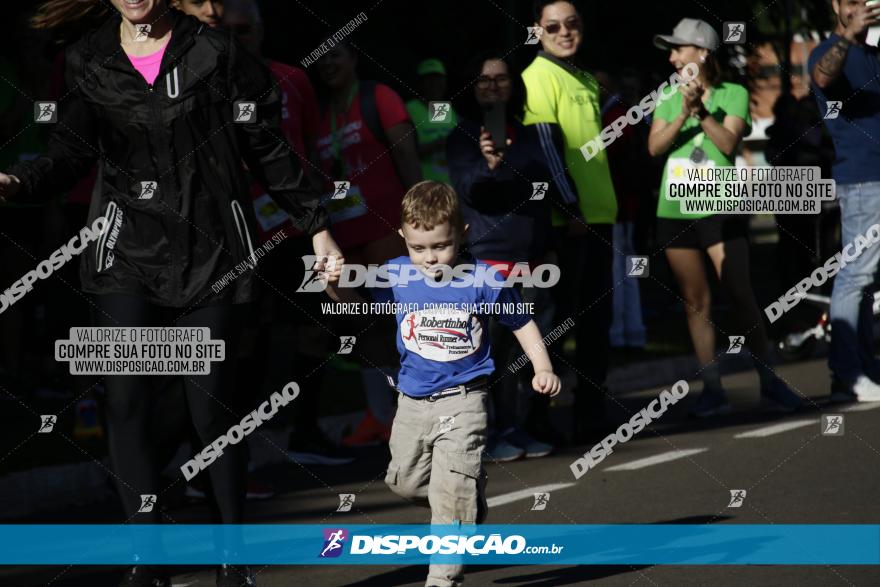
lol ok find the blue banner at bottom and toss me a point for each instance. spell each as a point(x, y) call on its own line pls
point(296, 544)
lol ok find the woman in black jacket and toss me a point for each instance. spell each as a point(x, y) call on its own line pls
point(173, 188)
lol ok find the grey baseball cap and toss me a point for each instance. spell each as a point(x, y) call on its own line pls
point(689, 31)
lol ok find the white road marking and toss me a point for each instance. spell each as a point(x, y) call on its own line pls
point(860, 407)
point(775, 429)
point(663, 457)
point(525, 494)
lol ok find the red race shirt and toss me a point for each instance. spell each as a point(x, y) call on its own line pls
point(299, 120)
point(370, 209)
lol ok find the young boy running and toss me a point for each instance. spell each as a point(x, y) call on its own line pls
point(439, 431)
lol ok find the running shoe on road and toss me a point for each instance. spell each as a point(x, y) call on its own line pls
point(778, 396)
point(863, 390)
point(712, 402)
point(533, 448)
point(499, 450)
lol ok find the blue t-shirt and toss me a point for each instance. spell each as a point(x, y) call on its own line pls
point(856, 130)
point(444, 347)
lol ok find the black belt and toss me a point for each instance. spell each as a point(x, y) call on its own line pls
point(465, 388)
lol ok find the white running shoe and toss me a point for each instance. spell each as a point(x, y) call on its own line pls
point(863, 390)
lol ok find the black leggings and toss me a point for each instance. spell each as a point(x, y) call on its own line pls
point(132, 417)
point(584, 294)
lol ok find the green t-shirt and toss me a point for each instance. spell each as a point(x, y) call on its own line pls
point(725, 100)
point(434, 166)
point(560, 93)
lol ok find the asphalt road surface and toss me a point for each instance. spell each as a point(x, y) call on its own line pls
point(677, 471)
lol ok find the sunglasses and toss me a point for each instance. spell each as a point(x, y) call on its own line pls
point(572, 24)
point(484, 81)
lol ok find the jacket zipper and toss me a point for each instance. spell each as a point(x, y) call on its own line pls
point(243, 233)
point(170, 222)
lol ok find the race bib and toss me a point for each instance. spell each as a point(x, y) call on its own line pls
point(441, 335)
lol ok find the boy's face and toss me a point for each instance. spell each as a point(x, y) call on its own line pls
point(430, 248)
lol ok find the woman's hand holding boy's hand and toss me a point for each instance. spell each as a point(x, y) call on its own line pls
point(330, 259)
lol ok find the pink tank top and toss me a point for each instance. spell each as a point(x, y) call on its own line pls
point(148, 65)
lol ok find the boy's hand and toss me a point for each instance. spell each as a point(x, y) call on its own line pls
point(9, 185)
point(547, 383)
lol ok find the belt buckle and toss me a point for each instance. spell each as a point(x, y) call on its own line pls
point(458, 389)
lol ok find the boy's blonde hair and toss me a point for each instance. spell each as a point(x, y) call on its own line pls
point(430, 203)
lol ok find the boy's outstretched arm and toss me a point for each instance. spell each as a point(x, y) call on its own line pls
point(545, 380)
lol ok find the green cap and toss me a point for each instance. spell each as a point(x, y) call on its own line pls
point(429, 66)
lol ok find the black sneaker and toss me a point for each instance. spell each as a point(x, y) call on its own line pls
point(145, 576)
point(235, 576)
point(316, 449)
